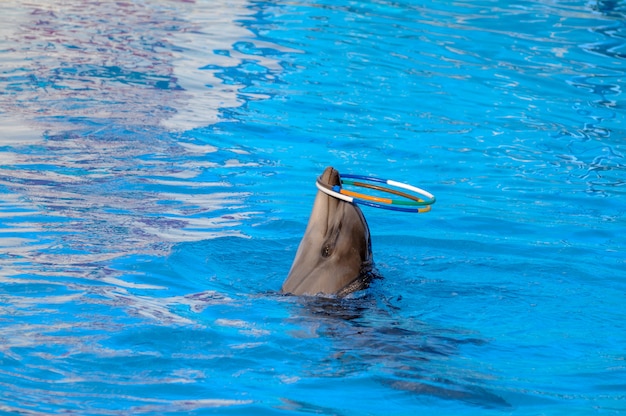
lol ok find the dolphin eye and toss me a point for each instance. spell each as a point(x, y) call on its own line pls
point(326, 250)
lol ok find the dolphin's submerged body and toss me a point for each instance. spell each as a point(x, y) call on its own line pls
point(335, 254)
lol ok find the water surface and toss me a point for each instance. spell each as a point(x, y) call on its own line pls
point(157, 167)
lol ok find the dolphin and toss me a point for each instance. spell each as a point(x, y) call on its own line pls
point(335, 254)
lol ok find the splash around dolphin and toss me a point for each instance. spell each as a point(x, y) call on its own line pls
point(335, 255)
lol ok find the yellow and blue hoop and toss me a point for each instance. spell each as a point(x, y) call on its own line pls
point(420, 201)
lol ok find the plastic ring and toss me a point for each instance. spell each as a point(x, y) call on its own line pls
point(419, 203)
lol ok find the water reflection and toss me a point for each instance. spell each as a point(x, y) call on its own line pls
point(109, 195)
point(101, 174)
point(150, 68)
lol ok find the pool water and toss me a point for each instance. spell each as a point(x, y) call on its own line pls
point(157, 170)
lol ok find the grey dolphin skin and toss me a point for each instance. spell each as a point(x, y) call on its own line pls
point(335, 254)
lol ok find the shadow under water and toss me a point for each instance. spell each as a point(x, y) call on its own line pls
point(409, 356)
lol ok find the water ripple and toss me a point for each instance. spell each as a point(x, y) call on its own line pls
point(155, 161)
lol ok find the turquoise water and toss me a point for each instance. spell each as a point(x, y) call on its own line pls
point(157, 169)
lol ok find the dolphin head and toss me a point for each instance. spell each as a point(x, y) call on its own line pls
point(335, 254)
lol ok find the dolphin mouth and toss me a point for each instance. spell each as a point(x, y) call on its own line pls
point(329, 178)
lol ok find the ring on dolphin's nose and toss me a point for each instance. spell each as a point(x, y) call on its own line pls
point(420, 202)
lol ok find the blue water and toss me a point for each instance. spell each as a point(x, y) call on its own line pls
point(157, 168)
